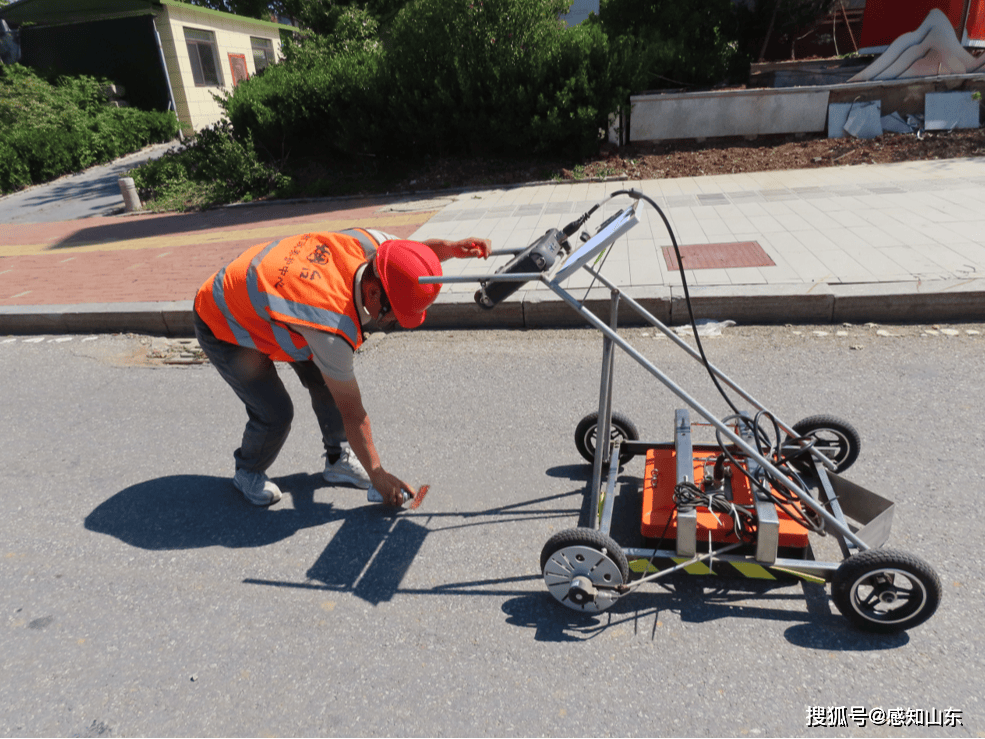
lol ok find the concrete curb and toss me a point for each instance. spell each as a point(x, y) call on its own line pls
point(157, 319)
point(895, 302)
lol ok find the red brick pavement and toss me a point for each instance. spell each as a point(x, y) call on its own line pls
point(149, 258)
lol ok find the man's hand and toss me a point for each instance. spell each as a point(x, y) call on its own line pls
point(360, 436)
point(472, 247)
point(390, 487)
point(461, 249)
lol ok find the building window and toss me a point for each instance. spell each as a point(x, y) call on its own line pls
point(263, 52)
point(202, 52)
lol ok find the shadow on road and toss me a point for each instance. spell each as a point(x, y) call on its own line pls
point(368, 556)
point(80, 192)
point(196, 511)
point(702, 600)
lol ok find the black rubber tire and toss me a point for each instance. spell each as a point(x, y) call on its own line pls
point(842, 449)
point(586, 433)
point(856, 591)
point(586, 538)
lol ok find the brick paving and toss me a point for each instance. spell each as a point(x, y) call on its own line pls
point(896, 242)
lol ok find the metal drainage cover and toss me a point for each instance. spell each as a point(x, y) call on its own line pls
point(410, 206)
point(719, 256)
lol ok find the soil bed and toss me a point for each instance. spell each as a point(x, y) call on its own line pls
point(691, 159)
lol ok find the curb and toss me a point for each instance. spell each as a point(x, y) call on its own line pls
point(155, 319)
point(891, 302)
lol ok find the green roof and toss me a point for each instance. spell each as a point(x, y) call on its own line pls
point(65, 12)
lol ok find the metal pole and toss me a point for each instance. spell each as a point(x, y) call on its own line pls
point(603, 424)
point(659, 325)
point(777, 476)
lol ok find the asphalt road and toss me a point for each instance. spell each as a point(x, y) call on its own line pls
point(141, 596)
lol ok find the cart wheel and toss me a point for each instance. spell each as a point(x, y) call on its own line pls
point(836, 439)
point(580, 566)
point(885, 590)
point(587, 430)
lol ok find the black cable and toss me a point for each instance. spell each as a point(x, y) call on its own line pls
point(689, 492)
point(779, 494)
point(687, 295)
point(687, 495)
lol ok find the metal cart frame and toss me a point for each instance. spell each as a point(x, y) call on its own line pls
point(878, 590)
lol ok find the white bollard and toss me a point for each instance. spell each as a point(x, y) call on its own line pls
point(131, 200)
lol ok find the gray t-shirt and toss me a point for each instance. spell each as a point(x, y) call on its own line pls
point(330, 352)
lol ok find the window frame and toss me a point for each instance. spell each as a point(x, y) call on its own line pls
point(266, 47)
point(197, 46)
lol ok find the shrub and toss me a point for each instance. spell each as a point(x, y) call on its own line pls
point(685, 44)
point(48, 129)
point(14, 172)
point(333, 104)
point(335, 30)
point(500, 76)
point(467, 73)
point(591, 77)
point(474, 77)
point(215, 168)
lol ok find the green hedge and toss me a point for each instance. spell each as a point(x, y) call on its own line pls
point(443, 77)
point(687, 44)
point(454, 77)
point(49, 129)
point(216, 168)
point(336, 102)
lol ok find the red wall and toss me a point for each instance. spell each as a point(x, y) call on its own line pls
point(885, 20)
point(976, 21)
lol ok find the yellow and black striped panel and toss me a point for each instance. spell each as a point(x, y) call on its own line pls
point(721, 568)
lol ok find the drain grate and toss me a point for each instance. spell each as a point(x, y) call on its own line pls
point(719, 256)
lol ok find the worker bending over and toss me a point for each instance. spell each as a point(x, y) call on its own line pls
point(308, 300)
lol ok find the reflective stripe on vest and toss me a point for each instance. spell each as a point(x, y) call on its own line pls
point(249, 304)
point(261, 302)
point(243, 337)
point(302, 311)
point(367, 242)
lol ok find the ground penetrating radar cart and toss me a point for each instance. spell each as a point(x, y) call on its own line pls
point(746, 503)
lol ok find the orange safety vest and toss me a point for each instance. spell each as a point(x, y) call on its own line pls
point(306, 280)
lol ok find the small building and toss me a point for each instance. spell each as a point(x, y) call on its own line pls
point(164, 54)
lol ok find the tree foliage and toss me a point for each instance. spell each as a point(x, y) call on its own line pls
point(261, 9)
point(443, 77)
point(761, 21)
point(686, 44)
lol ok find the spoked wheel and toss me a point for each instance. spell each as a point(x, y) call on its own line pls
point(587, 430)
point(581, 567)
point(884, 590)
point(836, 439)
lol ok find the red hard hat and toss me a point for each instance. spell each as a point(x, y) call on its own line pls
point(399, 264)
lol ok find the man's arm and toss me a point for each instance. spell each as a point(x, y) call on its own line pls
point(360, 436)
point(461, 249)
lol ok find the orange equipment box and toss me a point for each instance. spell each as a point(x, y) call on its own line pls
point(660, 513)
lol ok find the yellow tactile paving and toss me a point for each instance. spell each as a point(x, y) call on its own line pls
point(256, 234)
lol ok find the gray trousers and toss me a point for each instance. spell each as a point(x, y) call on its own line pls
point(254, 379)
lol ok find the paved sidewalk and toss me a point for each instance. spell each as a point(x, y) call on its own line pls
point(884, 243)
point(94, 192)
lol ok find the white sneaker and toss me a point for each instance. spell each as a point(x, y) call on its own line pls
point(347, 469)
point(257, 488)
